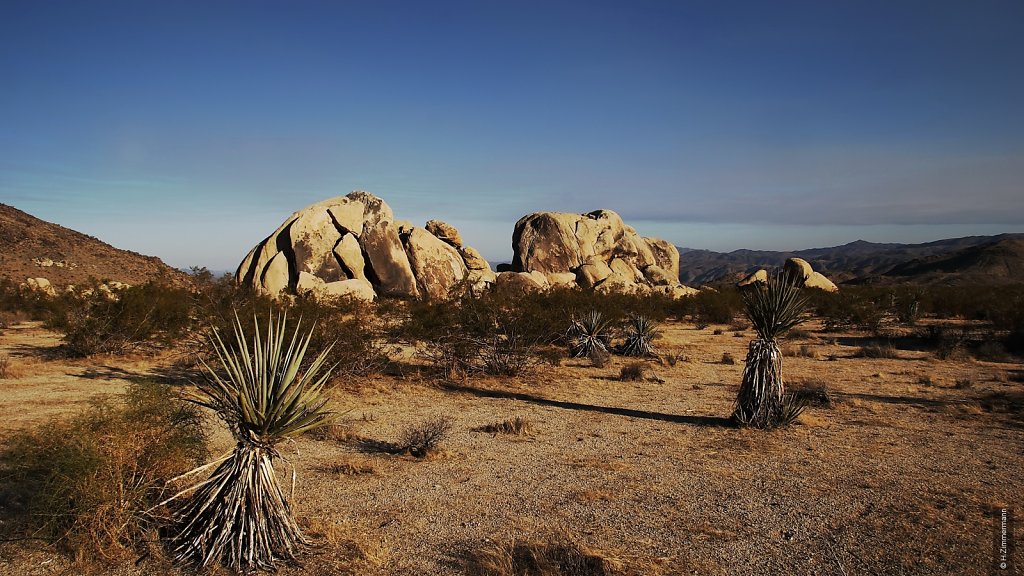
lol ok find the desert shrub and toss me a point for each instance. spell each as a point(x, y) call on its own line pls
point(6, 368)
point(812, 392)
point(99, 323)
point(925, 380)
point(715, 307)
point(802, 351)
point(560, 555)
point(632, 372)
point(849, 308)
point(599, 357)
point(992, 351)
point(640, 334)
point(420, 440)
point(718, 331)
point(88, 484)
point(727, 358)
point(878, 350)
point(963, 383)
point(517, 426)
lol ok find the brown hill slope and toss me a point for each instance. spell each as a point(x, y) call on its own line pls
point(998, 262)
point(33, 248)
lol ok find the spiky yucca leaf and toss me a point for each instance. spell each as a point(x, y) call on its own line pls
point(775, 306)
point(240, 516)
point(261, 394)
point(640, 336)
point(589, 335)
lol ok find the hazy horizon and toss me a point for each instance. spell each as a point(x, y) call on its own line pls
point(190, 131)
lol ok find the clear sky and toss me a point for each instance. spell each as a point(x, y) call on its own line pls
point(190, 130)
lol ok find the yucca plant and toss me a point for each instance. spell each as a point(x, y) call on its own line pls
point(240, 516)
point(640, 336)
point(773, 307)
point(589, 335)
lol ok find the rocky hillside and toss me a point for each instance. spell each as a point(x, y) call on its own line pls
point(33, 248)
point(973, 260)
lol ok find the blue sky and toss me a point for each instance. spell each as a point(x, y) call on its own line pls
point(190, 130)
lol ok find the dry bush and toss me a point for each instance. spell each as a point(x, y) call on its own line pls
point(632, 372)
point(992, 351)
point(673, 358)
point(878, 350)
point(336, 432)
point(806, 351)
point(517, 426)
point(925, 381)
point(7, 369)
point(718, 331)
point(727, 358)
point(559, 556)
point(423, 439)
point(813, 392)
point(599, 358)
point(963, 383)
point(346, 468)
point(88, 484)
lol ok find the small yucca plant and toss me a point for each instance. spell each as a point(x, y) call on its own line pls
point(772, 308)
point(640, 336)
point(239, 516)
point(589, 335)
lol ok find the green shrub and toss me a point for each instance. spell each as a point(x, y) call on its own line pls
point(139, 315)
point(87, 484)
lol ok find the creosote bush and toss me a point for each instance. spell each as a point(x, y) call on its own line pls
point(102, 323)
point(91, 484)
point(632, 372)
point(422, 439)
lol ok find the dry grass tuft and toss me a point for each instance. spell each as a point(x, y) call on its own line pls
point(813, 392)
point(343, 552)
point(878, 351)
point(336, 432)
point(727, 358)
point(7, 369)
point(517, 426)
point(632, 372)
point(346, 468)
point(558, 556)
point(422, 439)
point(599, 358)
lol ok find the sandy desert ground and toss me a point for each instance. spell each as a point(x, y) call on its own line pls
point(900, 476)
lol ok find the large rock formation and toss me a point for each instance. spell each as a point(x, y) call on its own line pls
point(598, 248)
point(351, 246)
point(800, 271)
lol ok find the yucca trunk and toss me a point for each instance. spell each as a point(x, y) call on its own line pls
point(760, 400)
point(239, 516)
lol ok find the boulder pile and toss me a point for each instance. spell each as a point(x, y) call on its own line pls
point(596, 251)
point(799, 270)
point(351, 246)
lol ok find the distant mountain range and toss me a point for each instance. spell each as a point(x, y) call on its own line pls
point(34, 248)
point(970, 260)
